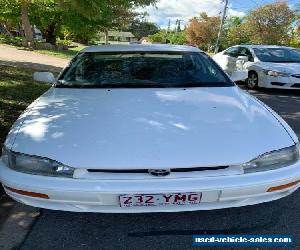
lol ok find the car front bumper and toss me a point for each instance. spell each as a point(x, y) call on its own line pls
point(279, 82)
point(82, 195)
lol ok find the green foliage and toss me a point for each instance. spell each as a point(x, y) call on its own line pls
point(10, 12)
point(77, 19)
point(168, 37)
point(235, 33)
point(16, 41)
point(177, 37)
point(159, 37)
point(68, 54)
point(60, 42)
point(140, 28)
point(295, 42)
point(270, 24)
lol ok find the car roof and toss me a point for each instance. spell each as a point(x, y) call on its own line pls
point(140, 48)
point(262, 46)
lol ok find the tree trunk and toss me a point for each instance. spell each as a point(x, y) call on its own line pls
point(26, 23)
point(49, 34)
point(106, 37)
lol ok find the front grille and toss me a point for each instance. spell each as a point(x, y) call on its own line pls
point(296, 85)
point(141, 171)
point(296, 75)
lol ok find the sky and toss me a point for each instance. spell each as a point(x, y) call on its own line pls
point(166, 10)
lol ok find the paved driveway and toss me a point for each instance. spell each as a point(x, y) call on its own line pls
point(24, 58)
point(64, 230)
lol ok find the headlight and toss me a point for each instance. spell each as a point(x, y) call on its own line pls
point(276, 73)
point(273, 160)
point(35, 165)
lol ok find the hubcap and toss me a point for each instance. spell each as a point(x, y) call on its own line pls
point(252, 80)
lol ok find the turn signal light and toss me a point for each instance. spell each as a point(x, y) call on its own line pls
point(26, 193)
point(277, 188)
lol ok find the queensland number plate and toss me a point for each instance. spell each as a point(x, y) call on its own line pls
point(146, 200)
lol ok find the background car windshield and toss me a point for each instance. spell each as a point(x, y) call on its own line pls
point(139, 70)
point(277, 55)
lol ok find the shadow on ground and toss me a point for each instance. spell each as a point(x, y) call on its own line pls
point(30, 65)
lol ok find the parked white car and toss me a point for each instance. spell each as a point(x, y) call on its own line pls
point(233, 66)
point(268, 66)
point(147, 128)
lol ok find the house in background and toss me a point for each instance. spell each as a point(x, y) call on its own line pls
point(118, 36)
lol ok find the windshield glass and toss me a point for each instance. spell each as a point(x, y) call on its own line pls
point(143, 69)
point(278, 55)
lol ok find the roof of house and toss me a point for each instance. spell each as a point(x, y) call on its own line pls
point(141, 48)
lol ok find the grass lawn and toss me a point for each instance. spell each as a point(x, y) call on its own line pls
point(17, 91)
point(61, 53)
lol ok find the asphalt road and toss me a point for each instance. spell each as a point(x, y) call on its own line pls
point(64, 230)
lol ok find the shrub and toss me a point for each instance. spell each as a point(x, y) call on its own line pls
point(295, 42)
point(63, 42)
point(12, 40)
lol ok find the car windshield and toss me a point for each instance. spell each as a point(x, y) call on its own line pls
point(278, 55)
point(143, 70)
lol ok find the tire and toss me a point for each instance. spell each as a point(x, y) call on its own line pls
point(252, 81)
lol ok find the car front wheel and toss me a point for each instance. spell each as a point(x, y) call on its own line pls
point(252, 81)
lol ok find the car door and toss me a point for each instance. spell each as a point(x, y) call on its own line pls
point(229, 58)
point(243, 51)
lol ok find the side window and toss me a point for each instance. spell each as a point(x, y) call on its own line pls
point(246, 52)
point(233, 52)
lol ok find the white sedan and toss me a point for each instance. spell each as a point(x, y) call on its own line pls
point(268, 66)
point(147, 128)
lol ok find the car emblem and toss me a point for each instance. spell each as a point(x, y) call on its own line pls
point(159, 172)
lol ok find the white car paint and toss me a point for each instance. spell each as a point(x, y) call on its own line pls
point(173, 126)
point(259, 67)
point(232, 66)
point(158, 128)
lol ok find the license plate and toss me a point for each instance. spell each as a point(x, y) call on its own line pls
point(148, 200)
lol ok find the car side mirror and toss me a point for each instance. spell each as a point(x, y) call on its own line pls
point(45, 77)
point(243, 58)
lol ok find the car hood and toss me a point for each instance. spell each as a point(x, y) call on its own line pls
point(291, 68)
point(148, 128)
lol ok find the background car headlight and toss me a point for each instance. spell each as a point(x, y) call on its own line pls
point(276, 73)
point(273, 160)
point(35, 165)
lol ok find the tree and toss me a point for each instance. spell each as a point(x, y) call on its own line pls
point(203, 30)
point(169, 26)
point(177, 38)
point(10, 12)
point(159, 37)
point(107, 14)
point(168, 37)
point(48, 16)
point(235, 32)
point(178, 28)
point(270, 24)
point(25, 22)
point(141, 28)
point(80, 17)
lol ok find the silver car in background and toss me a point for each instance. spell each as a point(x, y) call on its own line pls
point(268, 66)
